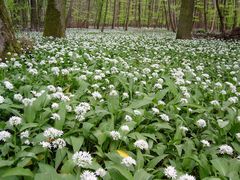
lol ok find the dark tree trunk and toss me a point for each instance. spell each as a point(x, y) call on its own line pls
point(99, 15)
point(8, 42)
point(114, 14)
point(184, 30)
point(55, 19)
point(221, 18)
point(235, 18)
point(105, 16)
point(127, 15)
point(34, 16)
point(139, 13)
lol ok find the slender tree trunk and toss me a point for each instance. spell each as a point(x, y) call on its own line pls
point(105, 16)
point(184, 30)
point(205, 15)
point(139, 13)
point(235, 18)
point(34, 16)
point(149, 13)
point(166, 15)
point(114, 14)
point(88, 13)
point(170, 16)
point(55, 19)
point(99, 14)
point(69, 14)
point(8, 42)
point(24, 15)
point(221, 18)
point(127, 15)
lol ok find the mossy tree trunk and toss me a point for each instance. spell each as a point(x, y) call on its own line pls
point(8, 42)
point(185, 24)
point(55, 19)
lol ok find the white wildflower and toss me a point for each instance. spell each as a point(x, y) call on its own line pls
point(82, 158)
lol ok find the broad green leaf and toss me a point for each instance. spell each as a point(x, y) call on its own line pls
point(17, 171)
point(142, 175)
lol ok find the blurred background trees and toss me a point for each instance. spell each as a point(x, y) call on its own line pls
point(209, 15)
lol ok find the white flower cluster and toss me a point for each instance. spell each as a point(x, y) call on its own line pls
point(15, 120)
point(4, 135)
point(201, 123)
point(226, 149)
point(164, 117)
point(2, 99)
point(82, 158)
point(170, 172)
point(53, 139)
point(115, 135)
point(81, 110)
point(141, 144)
point(128, 161)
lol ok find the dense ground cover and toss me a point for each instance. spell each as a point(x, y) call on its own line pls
point(122, 106)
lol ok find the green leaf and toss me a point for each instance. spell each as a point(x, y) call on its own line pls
point(60, 155)
point(142, 175)
point(123, 171)
point(140, 160)
point(62, 113)
point(151, 164)
point(17, 171)
point(221, 165)
point(5, 163)
point(76, 142)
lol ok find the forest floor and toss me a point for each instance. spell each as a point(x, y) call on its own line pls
point(134, 105)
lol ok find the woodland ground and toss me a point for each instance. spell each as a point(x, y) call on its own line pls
point(123, 106)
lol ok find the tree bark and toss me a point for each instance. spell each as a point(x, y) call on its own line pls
point(170, 16)
point(205, 15)
point(114, 14)
point(235, 18)
point(99, 14)
point(221, 18)
point(184, 30)
point(139, 13)
point(105, 16)
point(8, 42)
point(127, 15)
point(55, 19)
point(166, 16)
point(88, 13)
point(34, 16)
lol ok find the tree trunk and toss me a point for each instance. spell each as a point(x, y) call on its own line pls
point(105, 16)
point(184, 30)
point(34, 16)
point(127, 15)
point(166, 16)
point(235, 18)
point(88, 13)
point(205, 15)
point(69, 14)
point(55, 19)
point(8, 42)
point(99, 15)
point(221, 17)
point(114, 14)
point(170, 16)
point(139, 13)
